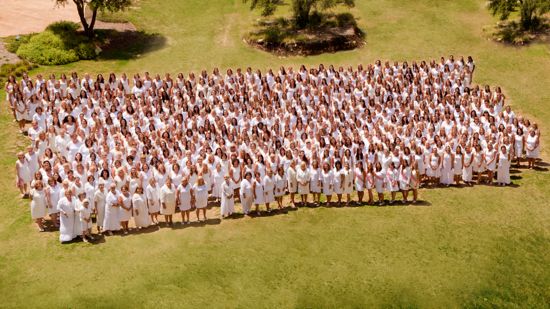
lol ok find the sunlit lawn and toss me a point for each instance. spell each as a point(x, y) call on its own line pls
point(468, 247)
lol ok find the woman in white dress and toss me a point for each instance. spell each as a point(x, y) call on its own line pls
point(139, 205)
point(490, 162)
point(200, 192)
point(315, 182)
point(447, 167)
point(303, 177)
point(269, 189)
point(111, 223)
point(152, 194)
point(258, 192)
point(458, 164)
point(217, 181)
point(503, 167)
point(360, 179)
point(369, 182)
point(227, 197)
point(125, 210)
point(415, 181)
point(392, 181)
point(23, 173)
point(184, 200)
point(327, 179)
point(467, 167)
point(100, 199)
point(532, 148)
point(519, 146)
point(246, 192)
point(405, 180)
point(66, 208)
point(348, 181)
point(379, 182)
point(38, 205)
point(168, 201)
point(339, 181)
point(53, 195)
point(280, 186)
point(433, 170)
point(479, 163)
point(292, 182)
point(235, 172)
point(85, 219)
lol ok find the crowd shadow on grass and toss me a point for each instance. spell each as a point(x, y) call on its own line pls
point(126, 45)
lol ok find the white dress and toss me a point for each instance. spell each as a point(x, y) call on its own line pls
point(503, 169)
point(379, 181)
point(303, 178)
point(490, 160)
point(348, 184)
point(141, 213)
point(111, 221)
point(518, 145)
point(246, 195)
point(201, 196)
point(55, 196)
point(359, 180)
point(217, 181)
point(168, 197)
point(84, 217)
point(479, 164)
point(457, 169)
point(292, 182)
point(67, 222)
point(185, 197)
point(338, 181)
point(269, 189)
point(258, 193)
point(433, 169)
point(227, 199)
point(315, 181)
point(392, 180)
point(153, 198)
point(532, 152)
point(280, 185)
point(100, 199)
point(467, 172)
point(38, 204)
point(446, 169)
point(123, 213)
point(327, 180)
point(405, 178)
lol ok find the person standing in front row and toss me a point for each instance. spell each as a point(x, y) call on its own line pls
point(168, 201)
point(200, 192)
point(227, 197)
point(247, 195)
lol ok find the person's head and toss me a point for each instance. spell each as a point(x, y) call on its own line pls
point(200, 181)
point(139, 190)
point(248, 176)
point(226, 178)
point(85, 203)
point(112, 187)
point(39, 185)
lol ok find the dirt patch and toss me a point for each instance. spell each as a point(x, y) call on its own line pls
point(28, 16)
point(311, 42)
point(6, 56)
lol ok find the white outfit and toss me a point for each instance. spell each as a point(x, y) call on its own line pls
point(168, 198)
point(153, 198)
point(530, 143)
point(446, 169)
point(339, 181)
point(141, 213)
point(67, 222)
point(503, 169)
point(201, 196)
point(327, 180)
point(123, 214)
point(227, 199)
point(258, 192)
point(280, 185)
point(315, 180)
point(269, 189)
point(303, 178)
point(292, 182)
point(38, 204)
point(246, 195)
point(100, 199)
point(184, 197)
point(111, 221)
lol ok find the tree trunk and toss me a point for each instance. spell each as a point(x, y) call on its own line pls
point(301, 9)
point(527, 18)
point(81, 9)
point(90, 32)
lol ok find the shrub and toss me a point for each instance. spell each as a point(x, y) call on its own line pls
point(16, 69)
point(12, 43)
point(60, 43)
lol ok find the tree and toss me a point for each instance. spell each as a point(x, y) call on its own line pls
point(301, 9)
point(530, 11)
point(94, 6)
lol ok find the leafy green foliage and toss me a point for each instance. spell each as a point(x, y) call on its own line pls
point(12, 43)
point(16, 69)
point(60, 43)
point(94, 6)
point(303, 11)
point(530, 11)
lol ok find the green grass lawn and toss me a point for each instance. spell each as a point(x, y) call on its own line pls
point(480, 247)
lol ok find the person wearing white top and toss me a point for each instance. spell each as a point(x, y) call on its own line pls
point(110, 221)
point(532, 148)
point(184, 200)
point(227, 201)
point(315, 182)
point(168, 201)
point(66, 206)
point(392, 181)
point(125, 210)
point(327, 179)
point(139, 206)
point(360, 179)
point(53, 194)
point(200, 193)
point(339, 181)
point(38, 204)
point(23, 173)
point(379, 182)
point(246, 193)
point(503, 167)
point(303, 177)
point(405, 180)
point(269, 188)
point(280, 186)
point(152, 194)
point(348, 181)
point(100, 199)
point(258, 191)
point(292, 182)
point(85, 219)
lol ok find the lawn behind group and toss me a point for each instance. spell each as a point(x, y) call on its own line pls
point(467, 247)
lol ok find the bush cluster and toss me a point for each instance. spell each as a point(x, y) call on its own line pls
point(16, 69)
point(60, 43)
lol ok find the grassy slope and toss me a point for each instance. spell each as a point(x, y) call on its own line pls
point(475, 247)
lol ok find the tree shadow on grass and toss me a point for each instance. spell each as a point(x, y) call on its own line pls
point(126, 45)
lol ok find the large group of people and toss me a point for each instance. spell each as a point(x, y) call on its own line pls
point(118, 149)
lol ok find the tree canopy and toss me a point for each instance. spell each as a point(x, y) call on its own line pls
point(530, 11)
point(94, 6)
point(301, 9)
